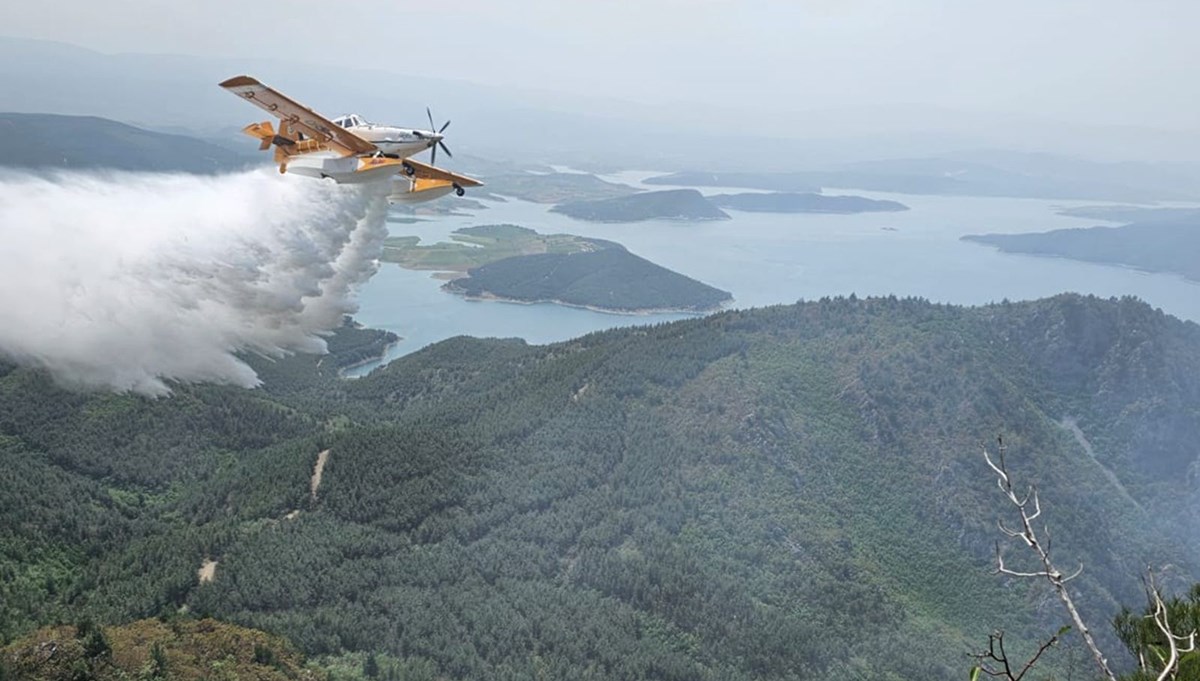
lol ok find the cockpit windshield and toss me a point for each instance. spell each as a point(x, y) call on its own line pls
point(349, 121)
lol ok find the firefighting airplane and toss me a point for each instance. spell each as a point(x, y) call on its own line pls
point(348, 149)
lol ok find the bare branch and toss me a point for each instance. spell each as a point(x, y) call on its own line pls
point(996, 654)
point(1073, 575)
point(1029, 536)
point(1011, 533)
point(1003, 477)
point(1161, 617)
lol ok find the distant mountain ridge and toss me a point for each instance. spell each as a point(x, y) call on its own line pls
point(788, 202)
point(48, 141)
point(1042, 176)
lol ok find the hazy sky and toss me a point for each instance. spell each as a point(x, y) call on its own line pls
point(1111, 62)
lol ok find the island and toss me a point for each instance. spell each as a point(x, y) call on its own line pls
point(517, 264)
point(607, 280)
point(792, 202)
point(554, 187)
point(1168, 246)
point(674, 204)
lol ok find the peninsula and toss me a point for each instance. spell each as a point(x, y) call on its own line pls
point(516, 264)
point(1168, 246)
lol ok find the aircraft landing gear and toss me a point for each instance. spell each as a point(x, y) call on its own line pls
point(459, 191)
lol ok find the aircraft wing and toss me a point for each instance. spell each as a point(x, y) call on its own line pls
point(297, 116)
point(424, 171)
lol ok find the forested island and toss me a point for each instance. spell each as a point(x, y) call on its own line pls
point(609, 279)
point(517, 264)
point(770, 494)
point(1167, 245)
point(544, 187)
point(686, 205)
point(791, 202)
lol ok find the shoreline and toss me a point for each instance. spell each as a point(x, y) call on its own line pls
point(639, 312)
point(341, 372)
point(1102, 263)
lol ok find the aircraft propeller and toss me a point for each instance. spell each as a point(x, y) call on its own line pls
point(433, 156)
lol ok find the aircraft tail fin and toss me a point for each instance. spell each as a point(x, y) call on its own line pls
point(263, 131)
point(285, 145)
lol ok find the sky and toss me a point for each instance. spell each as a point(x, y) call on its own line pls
point(1107, 62)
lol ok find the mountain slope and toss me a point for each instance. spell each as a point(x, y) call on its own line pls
point(791, 492)
point(182, 650)
point(85, 142)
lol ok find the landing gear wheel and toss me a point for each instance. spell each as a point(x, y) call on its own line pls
point(459, 191)
point(409, 170)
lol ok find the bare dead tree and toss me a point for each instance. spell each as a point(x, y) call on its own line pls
point(994, 661)
point(1029, 507)
point(1175, 644)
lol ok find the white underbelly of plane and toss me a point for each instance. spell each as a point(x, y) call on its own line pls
point(343, 170)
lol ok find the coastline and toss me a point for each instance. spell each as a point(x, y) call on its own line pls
point(638, 312)
point(1087, 261)
point(341, 372)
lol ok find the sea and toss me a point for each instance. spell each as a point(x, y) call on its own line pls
point(767, 259)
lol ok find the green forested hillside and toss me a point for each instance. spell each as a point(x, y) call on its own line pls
point(84, 142)
point(786, 493)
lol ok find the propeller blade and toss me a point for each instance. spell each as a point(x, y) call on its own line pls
point(430, 114)
point(444, 148)
point(444, 126)
point(433, 156)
